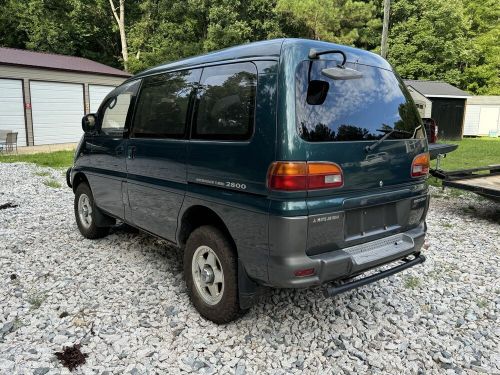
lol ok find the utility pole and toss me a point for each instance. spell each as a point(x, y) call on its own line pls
point(385, 29)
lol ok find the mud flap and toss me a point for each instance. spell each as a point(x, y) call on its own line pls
point(249, 291)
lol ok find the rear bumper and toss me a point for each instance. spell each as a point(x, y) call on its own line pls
point(344, 263)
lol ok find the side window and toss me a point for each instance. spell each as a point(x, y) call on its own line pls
point(226, 102)
point(163, 103)
point(116, 109)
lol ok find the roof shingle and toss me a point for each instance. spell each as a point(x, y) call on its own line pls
point(435, 88)
point(20, 57)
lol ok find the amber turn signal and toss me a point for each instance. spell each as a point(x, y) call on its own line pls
point(420, 165)
point(294, 176)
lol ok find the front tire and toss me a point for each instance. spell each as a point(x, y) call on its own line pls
point(85, 213)
point(211, 273)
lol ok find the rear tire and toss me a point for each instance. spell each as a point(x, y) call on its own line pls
point(85, 213)
point(211, 273)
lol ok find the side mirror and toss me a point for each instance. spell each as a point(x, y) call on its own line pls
point(88, 122)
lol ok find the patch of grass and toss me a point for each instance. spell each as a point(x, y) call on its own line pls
point(36, 300)
point(471, 153)
point(52, 183)
point(482, 303)
point(56, 159)
point(43, 173)
point(447, 225)
point(411, 282)
point(18, 323)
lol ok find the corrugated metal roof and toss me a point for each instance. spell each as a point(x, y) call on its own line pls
point(436, 88)
point(20, 57)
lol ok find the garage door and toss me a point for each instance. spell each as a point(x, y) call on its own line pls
point(97, 93)
point(57, 111)
point(12, 108)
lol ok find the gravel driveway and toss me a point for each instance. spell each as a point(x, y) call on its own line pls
point(123, 298)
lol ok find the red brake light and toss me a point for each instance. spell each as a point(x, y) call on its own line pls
point(420, 165)
point(305, 272)
point(293, 176)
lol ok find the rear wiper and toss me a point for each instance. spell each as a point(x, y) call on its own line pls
point(387, 134)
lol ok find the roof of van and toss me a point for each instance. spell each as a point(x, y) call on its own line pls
point(270, 49)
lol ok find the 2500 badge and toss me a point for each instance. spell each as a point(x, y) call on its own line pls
point(228, 184)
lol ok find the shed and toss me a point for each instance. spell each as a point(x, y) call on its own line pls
point(482, 116)
point(43, 96)
point(446, 102)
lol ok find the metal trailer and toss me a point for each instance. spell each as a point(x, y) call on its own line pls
point(484, 181)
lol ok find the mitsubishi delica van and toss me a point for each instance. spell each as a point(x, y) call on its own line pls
point(285, 163)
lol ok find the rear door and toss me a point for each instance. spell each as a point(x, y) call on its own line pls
point(341, 119)
point(157, 151)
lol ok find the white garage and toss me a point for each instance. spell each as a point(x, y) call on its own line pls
point(97, 93)
point(44, 96)
point(57, 110)
point(482, 116)
point(12, 108)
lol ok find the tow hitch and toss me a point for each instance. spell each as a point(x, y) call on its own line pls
point(343, 286)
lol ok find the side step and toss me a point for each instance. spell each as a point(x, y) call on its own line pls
point(344, 287)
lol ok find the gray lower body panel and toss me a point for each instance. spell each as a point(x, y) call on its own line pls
point(343, 263)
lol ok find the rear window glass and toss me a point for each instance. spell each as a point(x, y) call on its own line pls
point(358, 109)
point(226, 102)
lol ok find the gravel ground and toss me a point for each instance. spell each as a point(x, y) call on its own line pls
point(123, 299)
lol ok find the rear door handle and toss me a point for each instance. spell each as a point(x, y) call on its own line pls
point(131, 152)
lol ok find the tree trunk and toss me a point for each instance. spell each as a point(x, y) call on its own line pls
point(120, 20)
point(385, 30)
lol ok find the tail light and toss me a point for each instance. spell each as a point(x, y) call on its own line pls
point(293, 176)
point(420, 165)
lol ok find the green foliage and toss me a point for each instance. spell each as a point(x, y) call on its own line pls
point(57, 159)
point(451, 40)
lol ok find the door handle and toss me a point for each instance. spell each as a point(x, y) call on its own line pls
point(131, 152)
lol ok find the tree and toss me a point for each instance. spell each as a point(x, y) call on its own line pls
point(120, 20)
point(338, 21)
point(428, 39)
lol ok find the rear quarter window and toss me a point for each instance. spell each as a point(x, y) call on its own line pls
point(226, 102)
point(352, 110)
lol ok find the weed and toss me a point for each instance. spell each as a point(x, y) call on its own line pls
point(42, 173)
point(412, 282)
point(36, 300)
point(52, 183)
point(482, 303)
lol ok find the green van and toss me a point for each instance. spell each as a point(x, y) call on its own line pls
point(285, 163)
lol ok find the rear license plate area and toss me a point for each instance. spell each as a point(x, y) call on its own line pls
point(370, 220)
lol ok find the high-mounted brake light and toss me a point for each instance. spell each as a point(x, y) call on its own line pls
point(293, 176)
point(420, 165)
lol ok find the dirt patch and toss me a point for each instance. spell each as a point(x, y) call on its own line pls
point(7, 205)
point(71, 356)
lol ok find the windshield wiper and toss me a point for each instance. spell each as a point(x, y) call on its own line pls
point(388, 133)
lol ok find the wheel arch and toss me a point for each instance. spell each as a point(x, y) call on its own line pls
point(196, 216)
point(78, 179)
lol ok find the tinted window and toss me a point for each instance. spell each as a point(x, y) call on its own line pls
point(353, 110)
point(116, 109)
point(163, 105)
point(226, 102)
